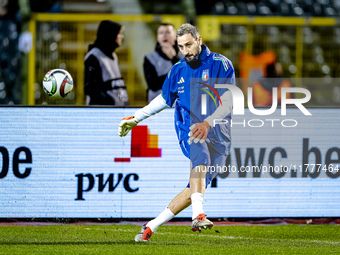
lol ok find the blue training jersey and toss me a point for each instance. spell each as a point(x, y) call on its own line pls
point(187, 85)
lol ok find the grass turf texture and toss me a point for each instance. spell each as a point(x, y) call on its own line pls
point(119, 239)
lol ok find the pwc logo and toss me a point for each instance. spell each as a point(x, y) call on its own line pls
point(143, 144)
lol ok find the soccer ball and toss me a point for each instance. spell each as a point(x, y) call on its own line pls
point(58, 83)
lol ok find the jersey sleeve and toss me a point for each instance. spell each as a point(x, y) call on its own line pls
point(226, 74)
point(169, 92)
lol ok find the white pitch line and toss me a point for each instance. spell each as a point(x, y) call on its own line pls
point(242, 238)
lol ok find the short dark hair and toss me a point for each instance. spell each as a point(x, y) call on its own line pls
point(166, 24)
point(188, 29)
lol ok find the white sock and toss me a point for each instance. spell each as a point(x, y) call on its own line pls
point(163, 217)
point(197, 204)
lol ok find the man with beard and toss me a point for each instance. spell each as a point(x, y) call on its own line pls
point(158, 63)
point(104, 84)
point(204, 143)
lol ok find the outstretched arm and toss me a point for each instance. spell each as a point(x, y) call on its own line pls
point(155, 106)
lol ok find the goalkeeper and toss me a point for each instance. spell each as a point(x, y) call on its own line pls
point(191, 83)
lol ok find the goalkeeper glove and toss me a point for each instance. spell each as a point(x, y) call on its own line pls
point(126, 125)
point(199, 132)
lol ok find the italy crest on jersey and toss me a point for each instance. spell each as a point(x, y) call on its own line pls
point(205, 75)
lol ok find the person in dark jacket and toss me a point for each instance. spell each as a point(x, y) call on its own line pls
point(158, 63)
point(104, 84)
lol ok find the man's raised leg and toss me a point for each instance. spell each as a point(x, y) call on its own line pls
point(178, 204)
point(193, 195)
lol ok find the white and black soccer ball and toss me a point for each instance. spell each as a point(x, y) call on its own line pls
point(57, 83)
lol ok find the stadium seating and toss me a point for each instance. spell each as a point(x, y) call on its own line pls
point(58, 44)
point(10, 60)
point(300, 8)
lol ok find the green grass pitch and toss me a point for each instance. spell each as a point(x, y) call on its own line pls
point(119, 239)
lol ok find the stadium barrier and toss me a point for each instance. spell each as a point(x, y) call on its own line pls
point(78, 167)
point(306, 47)
point(62, 40)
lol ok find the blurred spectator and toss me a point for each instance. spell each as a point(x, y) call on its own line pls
point(158, 63)
point(104, 84)
point(262, 89)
